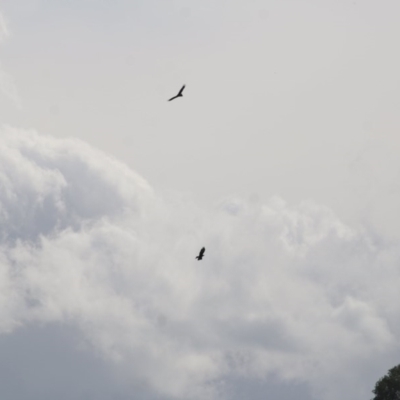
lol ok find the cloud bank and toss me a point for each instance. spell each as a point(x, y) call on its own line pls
point(284, 290)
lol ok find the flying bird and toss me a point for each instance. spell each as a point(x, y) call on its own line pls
point(179, 94)
point(201, 254)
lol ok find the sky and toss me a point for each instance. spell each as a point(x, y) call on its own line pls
point(281, 158)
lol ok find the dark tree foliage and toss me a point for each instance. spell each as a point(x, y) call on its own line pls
point(388, 387)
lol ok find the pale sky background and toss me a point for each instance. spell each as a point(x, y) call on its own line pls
point(282, 158)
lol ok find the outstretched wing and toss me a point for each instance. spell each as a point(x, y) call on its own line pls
point(180, 92)
point(202, 251)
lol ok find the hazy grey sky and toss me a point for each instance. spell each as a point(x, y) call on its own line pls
point(281, 158)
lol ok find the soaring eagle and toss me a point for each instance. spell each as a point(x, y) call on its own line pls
point(201, 254)
point(179, 94)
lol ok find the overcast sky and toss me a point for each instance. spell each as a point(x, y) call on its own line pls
point(281, 159)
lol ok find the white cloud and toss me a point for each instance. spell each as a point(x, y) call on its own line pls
point(283, 290)
point(7, 85)
point(3, 28)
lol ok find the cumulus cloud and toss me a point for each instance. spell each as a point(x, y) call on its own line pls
point(284, 290)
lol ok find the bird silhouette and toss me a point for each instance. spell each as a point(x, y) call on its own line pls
point(201, 254)
point(179, 94)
